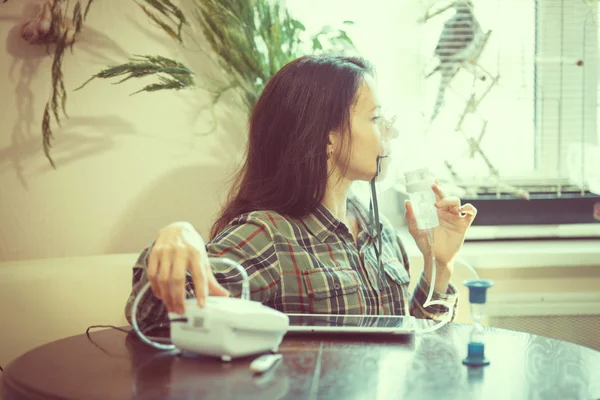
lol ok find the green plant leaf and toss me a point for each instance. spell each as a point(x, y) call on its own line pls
point(298, 25)
point(344, 36)
point(171, 74)
point(171, 15)
point(317, 44)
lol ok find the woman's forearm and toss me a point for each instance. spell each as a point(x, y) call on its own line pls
point(443, 272)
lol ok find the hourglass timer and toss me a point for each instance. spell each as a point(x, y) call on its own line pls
point(477, 293)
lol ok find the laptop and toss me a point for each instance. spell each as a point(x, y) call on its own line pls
point(341, 324)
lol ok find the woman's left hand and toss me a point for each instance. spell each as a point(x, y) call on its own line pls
point(449, 235)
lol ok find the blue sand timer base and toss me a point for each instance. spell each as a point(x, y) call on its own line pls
point(477, 297)
point(475, 356)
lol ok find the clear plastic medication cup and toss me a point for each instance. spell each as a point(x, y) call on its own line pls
point(422, 197)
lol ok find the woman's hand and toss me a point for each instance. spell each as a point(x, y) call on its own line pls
point(449, 236)
point(179, 248)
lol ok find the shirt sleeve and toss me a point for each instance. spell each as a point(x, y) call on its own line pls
point(437, 311)
point(247, 241)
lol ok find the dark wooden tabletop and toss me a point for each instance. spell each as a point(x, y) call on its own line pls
point(117, 365)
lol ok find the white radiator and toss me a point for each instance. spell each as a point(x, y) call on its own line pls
point(572, 317)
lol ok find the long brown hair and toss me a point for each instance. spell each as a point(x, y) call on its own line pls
point(285, 166)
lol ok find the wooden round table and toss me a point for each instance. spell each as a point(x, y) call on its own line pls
point(117, 365)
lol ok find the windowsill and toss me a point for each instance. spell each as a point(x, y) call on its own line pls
point(519, 253)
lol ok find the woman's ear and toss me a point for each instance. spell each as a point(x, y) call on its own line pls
point(333, 140)
point(332, 144)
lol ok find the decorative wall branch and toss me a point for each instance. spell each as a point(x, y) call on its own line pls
point(53, 27)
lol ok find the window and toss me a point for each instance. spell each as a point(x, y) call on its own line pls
point(536, 125)
point(566, 86)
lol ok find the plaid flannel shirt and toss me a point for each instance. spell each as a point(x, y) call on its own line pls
point(307, 265)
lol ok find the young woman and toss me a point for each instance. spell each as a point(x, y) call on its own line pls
point(305, 243)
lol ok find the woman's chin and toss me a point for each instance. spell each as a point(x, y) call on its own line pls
point(373, 175)
point(362, 175)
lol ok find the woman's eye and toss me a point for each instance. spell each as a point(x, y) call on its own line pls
point(376, 119)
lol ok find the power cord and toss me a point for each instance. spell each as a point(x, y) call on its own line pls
point(87, 332)
point(148, 329)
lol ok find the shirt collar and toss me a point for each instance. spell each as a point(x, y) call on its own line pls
point(321, 222)
point(363, 219)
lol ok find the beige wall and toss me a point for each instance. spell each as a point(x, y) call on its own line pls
point(46, 300)
point(126, 165)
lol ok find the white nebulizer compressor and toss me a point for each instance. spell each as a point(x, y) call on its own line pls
point(225, 327)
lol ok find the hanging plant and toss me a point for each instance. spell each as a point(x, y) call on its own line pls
point(53, 27)
point(252, 40)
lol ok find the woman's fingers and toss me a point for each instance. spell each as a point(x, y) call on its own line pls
point(152, 271)
point(439, 193)
point(164, 278)
point(177, 284)
point(215, 288)
point(469, 210)
point(180, 248)
point(199, 278)
point(450, 203)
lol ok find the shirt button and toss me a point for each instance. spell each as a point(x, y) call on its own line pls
point(336, 286)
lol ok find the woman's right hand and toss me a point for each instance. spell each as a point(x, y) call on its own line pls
point(179, 248)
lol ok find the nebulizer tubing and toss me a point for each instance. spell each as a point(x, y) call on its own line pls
point(428, 302)
point(245, 295)
point(422, 197)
